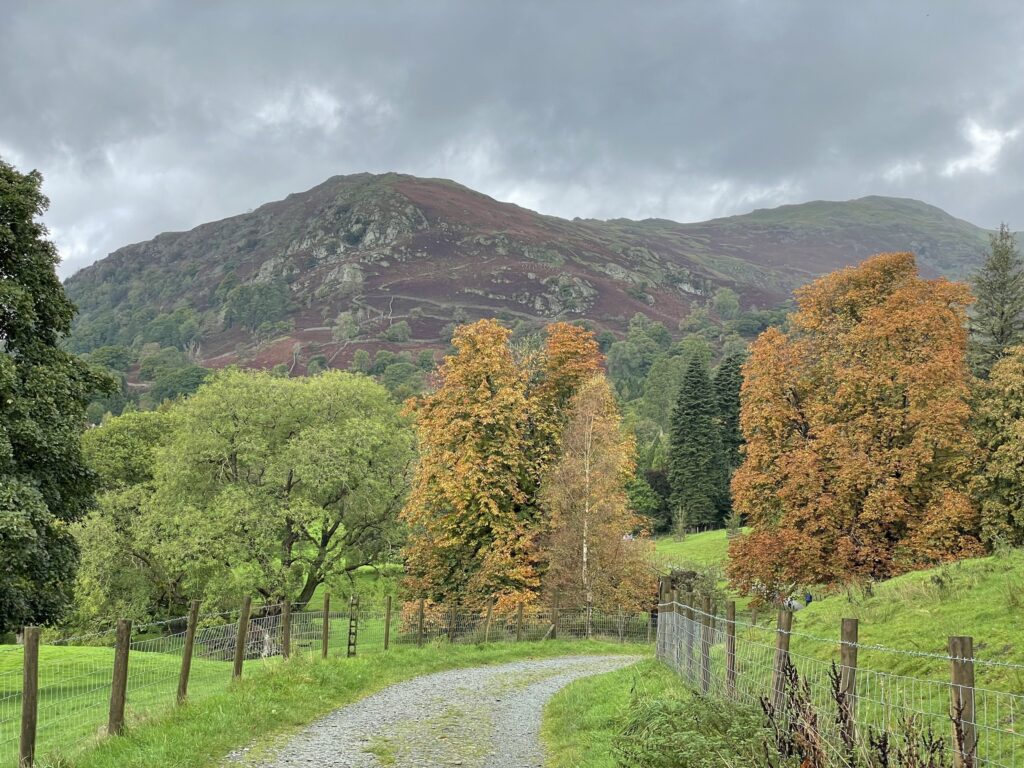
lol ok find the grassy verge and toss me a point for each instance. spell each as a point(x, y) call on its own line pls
point(583, 719)
point(644, 717)
point(283, 697)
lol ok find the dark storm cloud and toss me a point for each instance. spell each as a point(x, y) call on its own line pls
point(150, 116)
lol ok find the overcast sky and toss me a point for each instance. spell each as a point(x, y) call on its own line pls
point(154, 116)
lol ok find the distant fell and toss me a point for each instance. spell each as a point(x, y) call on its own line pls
point(267, 286)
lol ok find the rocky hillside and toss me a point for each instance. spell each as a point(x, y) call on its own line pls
point(268, 286)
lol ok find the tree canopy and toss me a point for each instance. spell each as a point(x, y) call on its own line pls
point(44, 483)
point(858, 443)
point(257, 484)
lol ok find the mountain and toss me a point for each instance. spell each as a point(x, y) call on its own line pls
point(267, 286)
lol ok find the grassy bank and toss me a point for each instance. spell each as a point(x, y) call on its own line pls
point(708, 548)
point(644, 717)
point(283, 697)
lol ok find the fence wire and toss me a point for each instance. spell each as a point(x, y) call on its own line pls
point(694, 644)
point(74, 683)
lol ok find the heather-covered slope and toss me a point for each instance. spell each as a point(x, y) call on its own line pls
point(267, 286)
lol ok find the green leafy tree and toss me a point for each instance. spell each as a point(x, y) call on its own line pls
point(726, 303)
point(399, 331)
point(695, 462)
point(255, 304)
point(998, 321)
point(44, 483)
point(125, 570)
point(361, 361)
point(276, 485)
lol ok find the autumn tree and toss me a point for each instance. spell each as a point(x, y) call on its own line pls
point(998, 318)
point(468, 536)
point(857, 433)
point(594, 560)
point(486, 437)
point(696, 465)
point(999, 487)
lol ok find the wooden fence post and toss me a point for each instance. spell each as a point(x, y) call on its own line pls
point(241, 638)
point(753, 615)
point(186, 651)
point(286, 629)
point(730, 648)
point(453, 617)
point(387, 622)
point(706, 627)
point(554, 617)
point(519, 623)
point(325, 626)
point(849, 632)
point(29, 699)
point(965, 730)
point(419, 630)
point(691, 636)
point(487, 625)
point(782, 630)
point(119, 684)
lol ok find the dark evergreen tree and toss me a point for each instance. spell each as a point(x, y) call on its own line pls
point(727, 383)
point(44, 483)
point(998, 318)
point(696, 467)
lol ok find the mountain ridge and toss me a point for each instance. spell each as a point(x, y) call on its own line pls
point(391, 247)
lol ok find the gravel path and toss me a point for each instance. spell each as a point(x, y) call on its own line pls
point(479, 717)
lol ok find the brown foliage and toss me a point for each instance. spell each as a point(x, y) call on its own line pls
point(856, 422)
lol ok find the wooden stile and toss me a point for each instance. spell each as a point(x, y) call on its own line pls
point(186, 651)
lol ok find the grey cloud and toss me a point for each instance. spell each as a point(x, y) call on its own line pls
point(152, 116)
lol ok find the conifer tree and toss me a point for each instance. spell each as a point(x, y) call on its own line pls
point(727, 383)
point(998, 321)
point(695, 462)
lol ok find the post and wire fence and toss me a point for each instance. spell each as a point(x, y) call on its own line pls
point(844, 696)
point(61, 695)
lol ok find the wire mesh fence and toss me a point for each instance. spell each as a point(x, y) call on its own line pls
point(74, 681)
point(845, 704)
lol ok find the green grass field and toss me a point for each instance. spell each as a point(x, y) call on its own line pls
point(708, 548)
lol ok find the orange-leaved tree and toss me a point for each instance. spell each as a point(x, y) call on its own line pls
point(485, 438)
point(468, 538)
point(858, 445)
point(593, 558)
